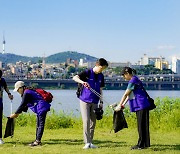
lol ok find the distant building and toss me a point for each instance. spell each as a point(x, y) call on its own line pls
point(115, 64)
point(176, 64)
point(145, 60)
point(161, 64)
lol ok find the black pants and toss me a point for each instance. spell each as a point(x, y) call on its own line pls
point(1, 116)
point(143, 128)
point(40, 126)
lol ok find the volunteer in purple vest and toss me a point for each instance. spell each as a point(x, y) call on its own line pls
point(138, 103)
point(88, 100)
point(31, 99)
point(3, 85)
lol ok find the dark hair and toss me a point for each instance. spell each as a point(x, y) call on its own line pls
point(102, 62)
point(128, 70)
point(1, 73)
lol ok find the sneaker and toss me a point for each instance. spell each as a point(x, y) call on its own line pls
point(93, 146)
point(35, 143)
point(136, 147)
point(87, 146)
point(1, 141)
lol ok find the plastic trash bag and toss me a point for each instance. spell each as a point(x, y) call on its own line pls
point(119, 121)
point(9, 131)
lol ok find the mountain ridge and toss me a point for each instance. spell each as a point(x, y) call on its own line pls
point(59, 57)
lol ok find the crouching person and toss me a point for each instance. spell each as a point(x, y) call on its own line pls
point(31, 99)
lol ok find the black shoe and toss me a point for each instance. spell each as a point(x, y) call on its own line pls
point(35, 143)
point(136, 147)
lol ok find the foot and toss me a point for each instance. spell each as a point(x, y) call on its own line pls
point(1, 141)
point(136, 147)
point(93, 146)
point(35, 143)
point(87, 146)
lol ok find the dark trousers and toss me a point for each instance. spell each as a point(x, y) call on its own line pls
point(143, 128)
point(1, 116)
point(40, 126)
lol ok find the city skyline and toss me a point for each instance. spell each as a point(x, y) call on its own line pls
point(119, 31)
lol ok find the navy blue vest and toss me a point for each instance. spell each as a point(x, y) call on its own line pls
point(95, 83)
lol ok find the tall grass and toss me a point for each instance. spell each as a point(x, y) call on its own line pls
point(166, 116)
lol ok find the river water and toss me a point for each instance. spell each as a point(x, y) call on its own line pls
point(66, 100)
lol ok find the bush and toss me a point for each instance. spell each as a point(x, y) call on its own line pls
point(166, 116)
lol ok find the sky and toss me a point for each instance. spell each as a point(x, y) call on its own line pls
point(117, 30)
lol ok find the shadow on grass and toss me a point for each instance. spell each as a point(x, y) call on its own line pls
point(101, 143)
point(161, 147)
point(106, 143)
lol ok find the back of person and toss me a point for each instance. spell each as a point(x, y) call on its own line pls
point(138, 98)
point(35, 102)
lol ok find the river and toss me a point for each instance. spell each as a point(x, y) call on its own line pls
point(66, 100)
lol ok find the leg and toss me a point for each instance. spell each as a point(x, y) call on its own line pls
point(85, 112)
point(143, 128)
point(37, 125)
point(92, 120)
point(40, 127)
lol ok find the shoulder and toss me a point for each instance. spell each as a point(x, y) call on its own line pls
point(29, 91)
point(85, 72)
point(134, 80)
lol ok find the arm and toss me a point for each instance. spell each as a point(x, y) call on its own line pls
point(25, 99)
point(77, 79)
point(124, 100)
point(8, 92)
point(7, 89)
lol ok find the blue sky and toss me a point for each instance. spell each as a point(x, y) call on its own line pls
point(118, 30)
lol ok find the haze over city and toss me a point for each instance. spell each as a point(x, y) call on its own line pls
point(116, 30)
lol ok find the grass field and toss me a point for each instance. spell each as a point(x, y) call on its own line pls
point(69, 140)
point(63, 133)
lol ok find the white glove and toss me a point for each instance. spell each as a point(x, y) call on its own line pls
point(112, 106)
point(117, 108)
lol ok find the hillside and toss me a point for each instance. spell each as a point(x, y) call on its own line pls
point(63, 56)
point(55, 58)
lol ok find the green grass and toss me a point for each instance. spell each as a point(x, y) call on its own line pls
point(69, 140)
point(63, 133)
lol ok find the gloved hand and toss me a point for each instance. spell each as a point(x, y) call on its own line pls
point(112, 106)
point(119, 107)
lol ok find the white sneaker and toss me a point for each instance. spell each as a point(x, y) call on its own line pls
point(93, 146)
point(87, 146)
point(1, 141)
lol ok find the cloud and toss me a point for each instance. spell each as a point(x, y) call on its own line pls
point(166, 47)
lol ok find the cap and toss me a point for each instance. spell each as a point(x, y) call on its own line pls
point(18, 85)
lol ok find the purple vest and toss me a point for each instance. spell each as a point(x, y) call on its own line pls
point(88, 96)
point(37, 104)
point(138, 98)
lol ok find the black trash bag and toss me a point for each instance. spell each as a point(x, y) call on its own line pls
point(119, 121)
point(9, 131)
point(99, 113)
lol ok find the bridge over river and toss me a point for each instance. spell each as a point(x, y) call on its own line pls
point(151, 82)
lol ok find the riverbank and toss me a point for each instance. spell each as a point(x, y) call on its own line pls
point(66, 141)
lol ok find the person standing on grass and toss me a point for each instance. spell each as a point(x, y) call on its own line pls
point(3, 85)
point(138, 103)
point(90, 78)
point(31, 99)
